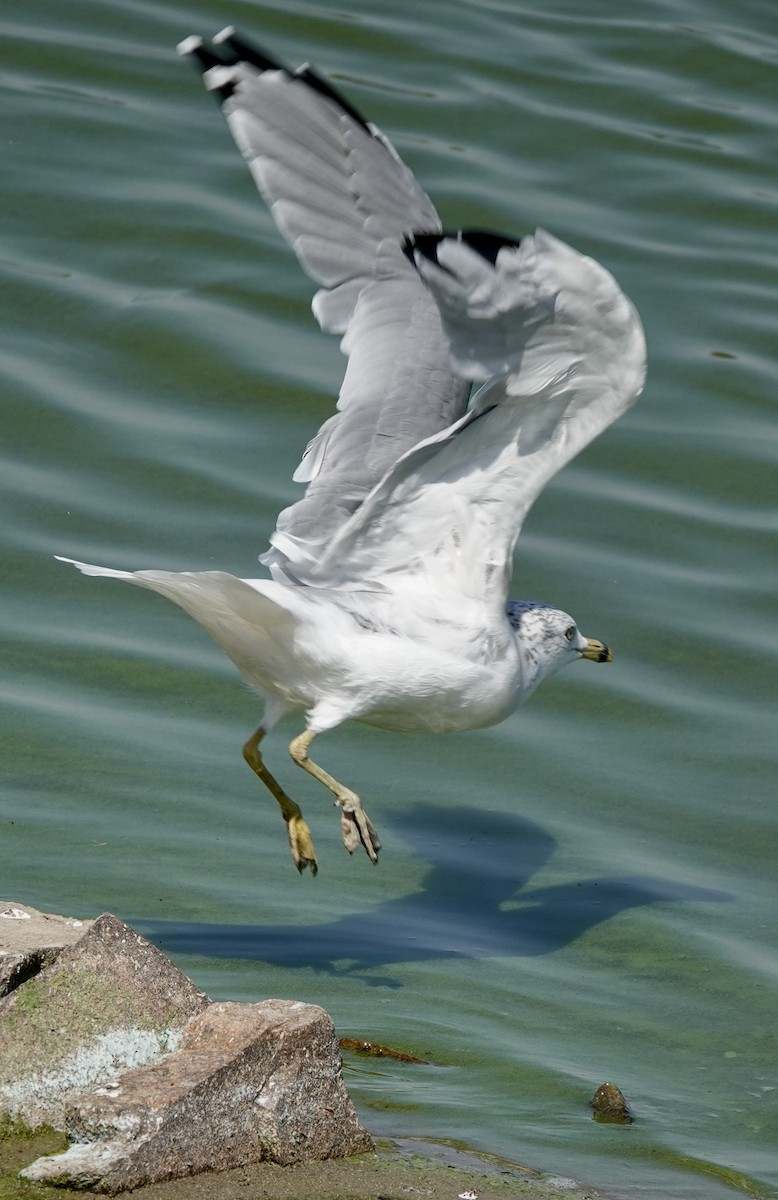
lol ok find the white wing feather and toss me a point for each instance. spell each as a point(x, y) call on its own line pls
point(567, 352)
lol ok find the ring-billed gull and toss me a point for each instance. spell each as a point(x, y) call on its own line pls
point(388, 597)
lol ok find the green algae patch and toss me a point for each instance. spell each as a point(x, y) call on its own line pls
point(726, 1175)
point(387, 1174)
point(19, 1145)
point(52, 1017)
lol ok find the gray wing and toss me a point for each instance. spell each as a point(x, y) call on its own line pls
point(564, 352)
point(345, 202)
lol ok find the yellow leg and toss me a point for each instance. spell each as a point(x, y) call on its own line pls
point(354, 822)
point(300, 840)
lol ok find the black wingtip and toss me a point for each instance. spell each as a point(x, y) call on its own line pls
point(204, 59)
point(233, 48)
point(487, 244)
point(426, 243)
point(242, 50)
point(318, 84)
point(201, 55)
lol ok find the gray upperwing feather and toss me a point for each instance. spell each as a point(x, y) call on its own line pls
point(398, 390)
point(345, 202)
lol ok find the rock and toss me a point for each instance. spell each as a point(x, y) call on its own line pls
point(610, 1105)
point(374, 1050)
point(109, 1000)
point(31, 940)
point(249, 1082)
point(103, 1037)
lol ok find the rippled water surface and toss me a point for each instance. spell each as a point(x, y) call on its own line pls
point(586, 892)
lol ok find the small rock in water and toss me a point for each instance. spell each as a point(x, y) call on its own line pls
point(610, 1105)
point(373, 1050)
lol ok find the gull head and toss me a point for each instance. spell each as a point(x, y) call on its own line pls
point(549, 639)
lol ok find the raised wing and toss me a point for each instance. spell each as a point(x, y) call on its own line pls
point(566, 351)
point(345, 202)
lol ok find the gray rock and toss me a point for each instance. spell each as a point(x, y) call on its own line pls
point(249, 1082)
point(108, 1001)
point(103, 1037)
point(31, 940)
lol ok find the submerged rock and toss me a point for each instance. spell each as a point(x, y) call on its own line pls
point(373, 1050)
point(610, 1105)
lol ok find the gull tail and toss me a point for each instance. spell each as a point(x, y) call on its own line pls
point(91, 569)
point(245, 623)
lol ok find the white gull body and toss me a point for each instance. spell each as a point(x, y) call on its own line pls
point(388, 597)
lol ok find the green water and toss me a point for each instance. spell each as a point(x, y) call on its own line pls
point(586, 892)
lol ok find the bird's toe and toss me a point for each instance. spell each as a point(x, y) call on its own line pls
point(358, 830)
point(350, 832)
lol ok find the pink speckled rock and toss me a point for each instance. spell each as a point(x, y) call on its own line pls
point(249, 1082)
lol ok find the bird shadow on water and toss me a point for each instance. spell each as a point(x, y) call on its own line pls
point(476, 901)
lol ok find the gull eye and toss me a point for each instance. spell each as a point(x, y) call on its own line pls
point(570, 632)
